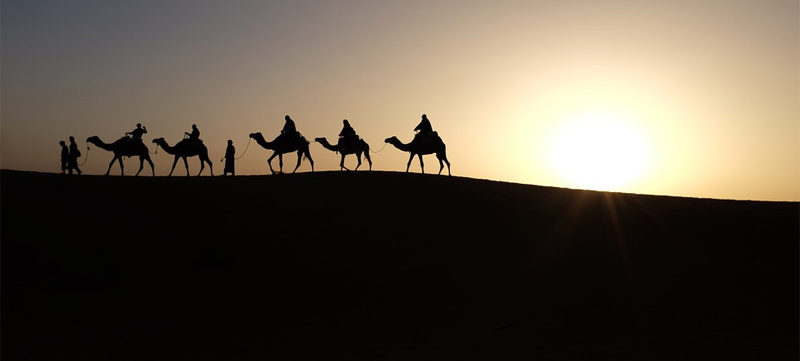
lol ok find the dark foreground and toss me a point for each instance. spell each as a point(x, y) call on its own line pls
point(388, 266)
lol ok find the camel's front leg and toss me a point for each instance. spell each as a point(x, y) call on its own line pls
point(421, 164)
point(269, 162)
point(174, 162)
point(341, 164)
point(410, 158)
point(121, 166)
point(280, 163)
point(111, 164)
point(186, 164)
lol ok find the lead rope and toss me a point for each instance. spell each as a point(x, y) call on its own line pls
point(245, 148)
point(87, 155)
point(378, 151)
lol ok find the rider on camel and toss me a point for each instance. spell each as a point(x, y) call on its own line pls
point(424, 130)
point(348, 135)
point(289, 130)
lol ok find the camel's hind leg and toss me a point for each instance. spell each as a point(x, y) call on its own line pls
point(152, 167)
point(358, 158)
point(421, 164)
point(369, 160)
point(141, 166)
point(443, 158)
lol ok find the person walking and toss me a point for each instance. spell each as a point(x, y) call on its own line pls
point(64, 156)
point(74, 153)
point(229, 159)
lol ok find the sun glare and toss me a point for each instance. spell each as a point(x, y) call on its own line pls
point(598, 151)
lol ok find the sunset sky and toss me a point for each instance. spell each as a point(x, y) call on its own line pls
point(688, 98)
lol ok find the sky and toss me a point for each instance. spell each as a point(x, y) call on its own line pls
point(695, 98)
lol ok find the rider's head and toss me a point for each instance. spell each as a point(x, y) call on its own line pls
point(138, 125)
point(424, 116)
point(287, 118)
point(346, 122)
point(194, 126)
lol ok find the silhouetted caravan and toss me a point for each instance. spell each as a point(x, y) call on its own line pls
point(285, 144)
point(433, 146)
point(357, 147)
point(125, 147)
point(186, 148)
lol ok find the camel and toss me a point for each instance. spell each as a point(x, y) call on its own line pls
point(359, 147)
point(434, 146)
point(184, 149)
point(124, 147)
point(282, 145)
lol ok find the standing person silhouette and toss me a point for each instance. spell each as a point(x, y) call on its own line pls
point(423, 129)
point(64, 156)
point(74, 153)
point(229, 159)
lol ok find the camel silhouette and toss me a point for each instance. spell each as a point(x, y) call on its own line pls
point(124, 147)
point(186, 148)
point(358, 148)
point(284, 144)
point(434, 146)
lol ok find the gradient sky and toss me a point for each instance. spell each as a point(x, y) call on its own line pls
point(697, 98)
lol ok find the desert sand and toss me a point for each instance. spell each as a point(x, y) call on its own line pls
point(388, 266)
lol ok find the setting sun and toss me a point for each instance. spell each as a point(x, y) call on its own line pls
point(598, 151)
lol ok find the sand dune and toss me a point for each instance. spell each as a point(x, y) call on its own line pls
point(388, 266)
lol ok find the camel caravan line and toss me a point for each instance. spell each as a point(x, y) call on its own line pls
point(426, 141)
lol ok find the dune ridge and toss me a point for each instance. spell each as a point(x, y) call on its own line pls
point(385, 265)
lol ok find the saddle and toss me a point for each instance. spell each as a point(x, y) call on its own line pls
point(420, 139)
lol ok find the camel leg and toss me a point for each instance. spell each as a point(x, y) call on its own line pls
point(269, 162)
point(111, 164)
point(121, 166)
point(369, 160)
point(152, 168)
point(310, 160)
point(174, 162)
point(202, 166)
point(421, 164)
point(410, 158)
point(186, 164)
point(341, 164)
point(210, 166)
point(443, 158)
point(141, 166)
point(358, 158)
point(299, 159)
point(280, 163)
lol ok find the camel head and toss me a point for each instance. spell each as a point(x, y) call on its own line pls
point(392, 140)
point(320, 140)
point(93, 139)
point(160, 142)
point(256, 135)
